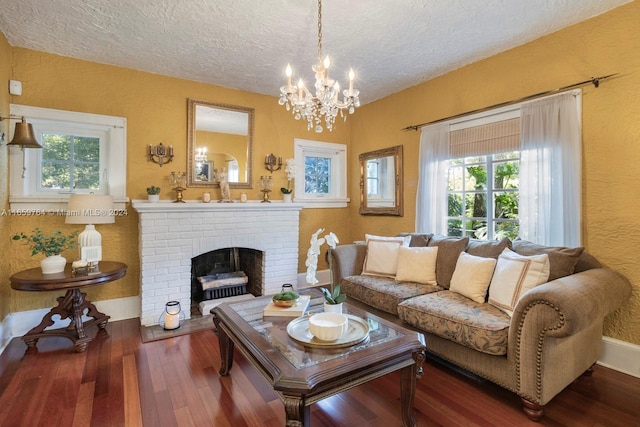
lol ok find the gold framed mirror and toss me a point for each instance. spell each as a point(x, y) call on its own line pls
point(220, 138)
point(381, 182)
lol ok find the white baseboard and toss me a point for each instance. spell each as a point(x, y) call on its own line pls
point(620, 356)
point(19, 323)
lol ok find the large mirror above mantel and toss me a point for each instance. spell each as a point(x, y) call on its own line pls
point(220, 137)
point(381, 182)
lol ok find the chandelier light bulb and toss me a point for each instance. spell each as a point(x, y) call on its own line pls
point(327, 62)
point(288, 71)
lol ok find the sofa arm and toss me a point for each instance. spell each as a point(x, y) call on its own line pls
point(556, 330)
point(577, 301)
point(347, 260)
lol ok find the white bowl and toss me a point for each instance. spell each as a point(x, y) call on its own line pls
point(328, 326)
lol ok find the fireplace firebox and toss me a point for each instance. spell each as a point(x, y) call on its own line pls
point(226, 272)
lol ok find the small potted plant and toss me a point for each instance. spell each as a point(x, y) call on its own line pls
point(286, 194)
point(51, 246)
point(153, 193)
point(287, 297)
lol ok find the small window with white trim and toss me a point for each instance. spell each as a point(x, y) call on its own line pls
point(81, 153)
point(321, 173)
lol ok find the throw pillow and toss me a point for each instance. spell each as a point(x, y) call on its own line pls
point(516, 274)
point(417, 264)
point(472, 276)
point(562, 261)
point(417, 239)
point(449, 248)
point(382, 255)
point(488, 248)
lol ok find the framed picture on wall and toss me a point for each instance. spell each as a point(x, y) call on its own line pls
point(203, 171)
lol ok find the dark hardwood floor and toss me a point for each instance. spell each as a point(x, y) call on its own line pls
point(120, 381)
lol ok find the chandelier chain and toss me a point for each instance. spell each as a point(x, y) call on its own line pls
point(319, 30)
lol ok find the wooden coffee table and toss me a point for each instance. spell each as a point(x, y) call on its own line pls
point(302, 375)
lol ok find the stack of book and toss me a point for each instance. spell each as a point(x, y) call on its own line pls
point(294, 311)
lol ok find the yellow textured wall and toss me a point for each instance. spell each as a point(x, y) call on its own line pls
point(156, 110)
point(5, 69)
point(609, 43)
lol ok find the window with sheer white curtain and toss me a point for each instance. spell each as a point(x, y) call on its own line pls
point(550, 166)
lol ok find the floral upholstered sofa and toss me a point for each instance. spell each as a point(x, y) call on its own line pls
point(524, 316)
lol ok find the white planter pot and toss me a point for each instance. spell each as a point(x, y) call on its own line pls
point(153, 198)
point(332, 308)
point(53, 264)
point(286, 198)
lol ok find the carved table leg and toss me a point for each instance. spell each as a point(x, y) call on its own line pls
point(71, 306)
point(226, 348)
point(298, 415)
point(408, 377)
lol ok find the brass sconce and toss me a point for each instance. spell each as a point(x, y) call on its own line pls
point(272, 163)
point(160, 154)
point(23, 135)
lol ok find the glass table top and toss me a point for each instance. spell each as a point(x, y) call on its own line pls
point(274, 330)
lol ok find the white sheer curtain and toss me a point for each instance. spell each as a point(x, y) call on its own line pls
point(551, 170)
point(431, 203)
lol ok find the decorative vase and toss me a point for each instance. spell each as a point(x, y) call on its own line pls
point(332, 308)
point(154, 198)
point(286, 197)
point(53, 264)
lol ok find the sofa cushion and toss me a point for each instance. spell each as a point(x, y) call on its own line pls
point(472, 276)
point(417, 264)
point(382, 255)
point(488, 248)
point(514, 275)
point(383, 293)
point(449, 248)
point(417, 239)
point(479, 326)
point(562, 260)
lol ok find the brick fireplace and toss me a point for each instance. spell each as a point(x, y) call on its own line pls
point(171, 234)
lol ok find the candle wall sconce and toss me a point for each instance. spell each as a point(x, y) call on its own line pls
point(160, 154)
point(272, 163)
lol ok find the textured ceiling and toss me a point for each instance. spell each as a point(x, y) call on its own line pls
point(246, 44)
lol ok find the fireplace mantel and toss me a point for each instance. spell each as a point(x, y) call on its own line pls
point(199, 206)
point(171, 234)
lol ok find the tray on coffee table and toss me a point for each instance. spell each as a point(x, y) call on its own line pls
point(357, 332)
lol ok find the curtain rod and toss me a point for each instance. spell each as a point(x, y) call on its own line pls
point(594, 80)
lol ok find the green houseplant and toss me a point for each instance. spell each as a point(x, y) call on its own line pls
point(51, 245)
point(153, 190)
point(153, 193)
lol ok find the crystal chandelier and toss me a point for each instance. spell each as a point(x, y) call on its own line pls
point(325, 105)
point(201, 155)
